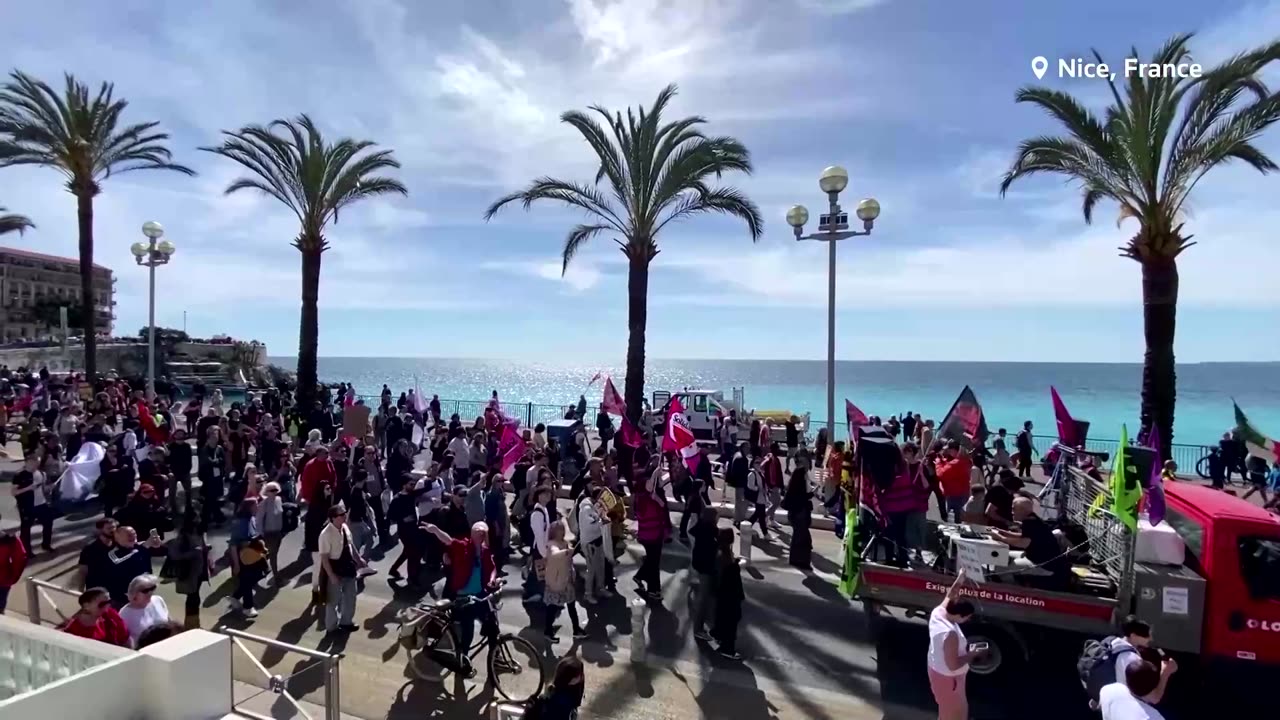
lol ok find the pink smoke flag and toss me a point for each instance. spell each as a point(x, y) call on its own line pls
point(594, 378)
point(679, 437)
point(1155, 482)
point(1066, 424)
point(855, 417)
point(612, 402)
point(510, 448)
point(419, 402)
point(631, 437)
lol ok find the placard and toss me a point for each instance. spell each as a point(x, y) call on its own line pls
point(355, 421)
point(969, 558)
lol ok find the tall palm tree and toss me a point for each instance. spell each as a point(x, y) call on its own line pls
point(81, 136)
point(1154, 144)
point(10, 223)
point(290, 161)
point(650, 174)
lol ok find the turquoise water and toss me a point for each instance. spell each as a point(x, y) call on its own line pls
point(1105, 394)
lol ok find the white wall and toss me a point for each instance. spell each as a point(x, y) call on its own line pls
point(187, 677)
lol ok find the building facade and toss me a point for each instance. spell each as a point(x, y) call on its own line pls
point(32, 282)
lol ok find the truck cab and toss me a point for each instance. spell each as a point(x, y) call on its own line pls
point(1235, 546)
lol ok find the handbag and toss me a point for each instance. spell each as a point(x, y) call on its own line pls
point(344, 566)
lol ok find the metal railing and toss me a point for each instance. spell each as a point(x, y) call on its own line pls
point(36, 594)
point(505, 711)
point(278, 684)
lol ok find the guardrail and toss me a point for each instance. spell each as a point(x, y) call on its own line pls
point(278, 684)
point(36, 594)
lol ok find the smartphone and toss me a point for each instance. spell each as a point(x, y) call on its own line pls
point(979, 647)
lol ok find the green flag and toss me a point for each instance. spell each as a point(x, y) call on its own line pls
point(849, 575)
point(1126, 488)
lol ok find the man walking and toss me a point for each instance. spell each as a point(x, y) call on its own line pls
point(1025, 449)
point(340, 563)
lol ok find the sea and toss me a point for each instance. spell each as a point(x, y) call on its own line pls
point(1107, 395)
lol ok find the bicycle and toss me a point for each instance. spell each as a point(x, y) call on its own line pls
point(430, 634)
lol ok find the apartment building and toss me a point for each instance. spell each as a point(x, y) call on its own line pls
point(30, 280)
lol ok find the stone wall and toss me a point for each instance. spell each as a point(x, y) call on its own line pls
point(125, 359)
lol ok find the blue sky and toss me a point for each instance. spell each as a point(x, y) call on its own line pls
point(915, 98)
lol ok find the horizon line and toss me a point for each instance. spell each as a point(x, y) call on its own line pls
point(796, 360)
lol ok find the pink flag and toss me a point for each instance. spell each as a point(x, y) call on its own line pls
point(1156, 505)
point(630, 436)
point(510, 448)
point(855, 417)
point(612, 402)
point(23, 404)
point(679, 437)
point(1066, 424)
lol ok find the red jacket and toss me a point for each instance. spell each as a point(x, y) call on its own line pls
point(314, 473)
point(953, 476)
point(462, 560)
point(13, 560)
point(109, 628)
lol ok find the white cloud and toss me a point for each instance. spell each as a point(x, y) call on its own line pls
point(836, 7)
point(582, 273)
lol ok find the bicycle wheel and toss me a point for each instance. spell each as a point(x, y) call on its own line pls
point(439, 653)
point(1202, 467)
point(516, 669)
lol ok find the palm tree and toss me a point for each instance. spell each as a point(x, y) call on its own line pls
point(10, 223)
point(82, 137)
point(1156, 142)
point(650, 174)
point(290, 161)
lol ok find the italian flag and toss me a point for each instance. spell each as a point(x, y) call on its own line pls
point(1258, 444)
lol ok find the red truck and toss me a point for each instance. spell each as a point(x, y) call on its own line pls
point(1218, 612)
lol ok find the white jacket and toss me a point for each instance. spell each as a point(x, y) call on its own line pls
point(589, 524)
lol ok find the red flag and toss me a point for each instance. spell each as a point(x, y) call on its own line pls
point(1066, 424)
point(148, 422)
point(965, 420)
point(679, 437)
point(855, 417)
point(630, 436)
point(612, 401)
point(23, 404)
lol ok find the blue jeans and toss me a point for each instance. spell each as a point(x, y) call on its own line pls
point(340, 609)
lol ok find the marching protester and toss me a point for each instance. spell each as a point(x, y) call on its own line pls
point(144, 608)
point(33, 490)
point(563, 697)
point(188, 555)
point(127, 560)
point(560, 583)
point(706, 539)
point(13, 560)
point(798, 502)
point(472, 574)
point(949, 653)
point(97, 620)
point(729, 596)
point(340, 563)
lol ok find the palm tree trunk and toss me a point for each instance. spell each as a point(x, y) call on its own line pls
point(1159, 316)
point(309, 331)
point(84, 212)
point(637, 318)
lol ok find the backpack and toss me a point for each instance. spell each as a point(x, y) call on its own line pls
point(1097, 665)
point(289, 517)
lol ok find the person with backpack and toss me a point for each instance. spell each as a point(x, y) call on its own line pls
point(561, 699)
point(539, 520)
point(1133, 696)
point(1025, 448)
point(1106, 661)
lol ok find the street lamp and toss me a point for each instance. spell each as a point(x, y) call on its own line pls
point(833, 227)
point(152, 254)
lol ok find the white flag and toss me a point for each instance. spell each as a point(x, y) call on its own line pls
point(82, 472)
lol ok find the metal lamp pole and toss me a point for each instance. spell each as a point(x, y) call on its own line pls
point(152, 254)
point(833, 227)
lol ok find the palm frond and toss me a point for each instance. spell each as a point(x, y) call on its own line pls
point(78, 133)
point(14, 223)
point(725, 200)
point(289, 160)
point(578, 237)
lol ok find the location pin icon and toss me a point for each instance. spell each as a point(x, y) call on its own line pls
point(1038, 66)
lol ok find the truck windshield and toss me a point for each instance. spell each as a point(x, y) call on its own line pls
point(700, 403)
point(1191, 532)
point(1260, 567)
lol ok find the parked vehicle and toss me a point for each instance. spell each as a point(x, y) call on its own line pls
point(1218, 611)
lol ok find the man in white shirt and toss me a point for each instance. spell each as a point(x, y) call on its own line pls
point(539, 522)
point(339, 562)
point(1130, 697)
point(461, 455)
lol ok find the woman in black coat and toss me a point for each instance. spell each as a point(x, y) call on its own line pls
point(798, 502)
point(729, 596)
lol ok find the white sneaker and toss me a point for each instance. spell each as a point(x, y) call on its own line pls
point(250, 613)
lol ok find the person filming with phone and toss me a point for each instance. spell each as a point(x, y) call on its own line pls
point(950, 653)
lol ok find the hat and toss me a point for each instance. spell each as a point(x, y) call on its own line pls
point(337, 509)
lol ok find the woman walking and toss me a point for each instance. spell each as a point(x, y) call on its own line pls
point(189, 555)
point(652, 522)
point(798, 502)
point(560, 584)
point(729, 596)
point(270, 517)
point(591, 530)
